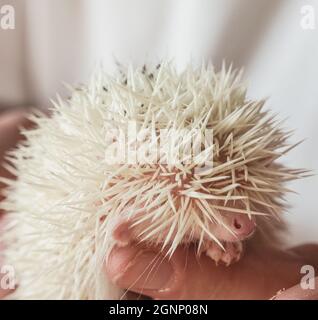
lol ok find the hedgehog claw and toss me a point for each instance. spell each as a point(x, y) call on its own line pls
point(232, 253)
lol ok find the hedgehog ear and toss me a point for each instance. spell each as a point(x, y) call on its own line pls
point(122, 233)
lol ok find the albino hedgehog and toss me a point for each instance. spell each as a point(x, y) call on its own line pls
point(158, 157)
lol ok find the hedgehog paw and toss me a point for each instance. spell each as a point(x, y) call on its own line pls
point(232, 253)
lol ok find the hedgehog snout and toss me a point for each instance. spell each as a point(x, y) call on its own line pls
point(243, 226)
point(235, 227)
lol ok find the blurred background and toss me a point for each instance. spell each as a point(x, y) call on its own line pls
point(276, 41)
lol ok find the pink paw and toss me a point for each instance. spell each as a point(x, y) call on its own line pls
point(232, 253)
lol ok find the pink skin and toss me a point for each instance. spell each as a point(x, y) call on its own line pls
point(239, 223)
point(241, 226)
point(9, 136)
point(261, 274)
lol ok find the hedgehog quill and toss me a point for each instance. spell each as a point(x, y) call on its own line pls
point(160, 157)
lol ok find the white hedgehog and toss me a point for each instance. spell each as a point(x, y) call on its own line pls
point(159, 157)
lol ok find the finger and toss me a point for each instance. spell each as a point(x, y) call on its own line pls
point(3, 293)
point(299, 293)
point(308, 252)
point(183, 276)
point(10, 123)
point(133, 268)
point(259, 275)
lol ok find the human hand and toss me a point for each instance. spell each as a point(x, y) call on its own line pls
point(260, 274)
point(10, 122)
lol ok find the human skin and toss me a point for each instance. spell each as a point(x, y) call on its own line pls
point(10, 122)
point(260, 274)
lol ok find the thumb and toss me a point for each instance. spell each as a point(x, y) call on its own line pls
point(147, 271)
point(183, 276)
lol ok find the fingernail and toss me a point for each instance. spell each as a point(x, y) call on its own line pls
point(148, 271)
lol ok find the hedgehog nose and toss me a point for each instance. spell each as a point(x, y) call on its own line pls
point(243, 226)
